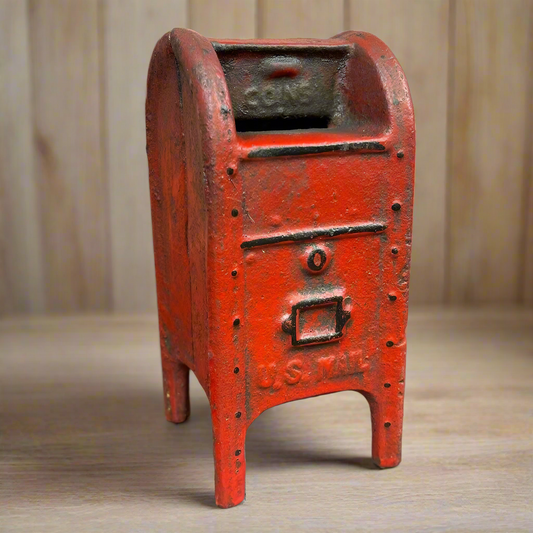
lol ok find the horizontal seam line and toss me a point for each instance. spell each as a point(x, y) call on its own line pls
point(300, 236)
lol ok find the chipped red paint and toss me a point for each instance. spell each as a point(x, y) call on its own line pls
point(282, 257)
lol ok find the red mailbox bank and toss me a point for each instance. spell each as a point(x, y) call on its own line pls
point(281, 181)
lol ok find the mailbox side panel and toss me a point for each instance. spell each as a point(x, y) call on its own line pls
point(213, 244)
point(168, 195)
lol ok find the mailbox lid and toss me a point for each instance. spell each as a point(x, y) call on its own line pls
point(286, 196)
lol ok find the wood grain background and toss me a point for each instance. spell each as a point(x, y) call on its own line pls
point(75, 231)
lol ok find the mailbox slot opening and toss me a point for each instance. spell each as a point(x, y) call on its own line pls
point(280, 89)
point(299, 86)
point(281, 123)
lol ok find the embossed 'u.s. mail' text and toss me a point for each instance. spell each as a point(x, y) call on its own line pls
point(276, 375)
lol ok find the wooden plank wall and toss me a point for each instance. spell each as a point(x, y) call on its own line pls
point(130, 30)
point(75, 230)
point(21, 262)
point(488, 150)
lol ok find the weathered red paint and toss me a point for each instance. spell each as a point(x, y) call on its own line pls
point(282, 257)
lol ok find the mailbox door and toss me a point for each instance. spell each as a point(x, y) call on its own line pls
point(318, 273)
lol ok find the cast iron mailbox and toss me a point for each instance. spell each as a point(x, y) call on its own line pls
point(281, 181)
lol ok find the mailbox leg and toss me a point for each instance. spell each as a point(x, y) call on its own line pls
point(230, 463)
point(386, 412)
point(176, 388)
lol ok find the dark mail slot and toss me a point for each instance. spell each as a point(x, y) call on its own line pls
point(290, 87)
point(281, 123)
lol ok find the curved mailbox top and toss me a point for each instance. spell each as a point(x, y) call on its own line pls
point(343, 94)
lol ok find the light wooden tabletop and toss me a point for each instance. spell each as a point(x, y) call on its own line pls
point(85, 445)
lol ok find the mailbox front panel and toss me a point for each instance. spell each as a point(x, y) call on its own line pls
point(316, 262)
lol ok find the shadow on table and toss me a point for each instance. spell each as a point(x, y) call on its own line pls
point(102, 445)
